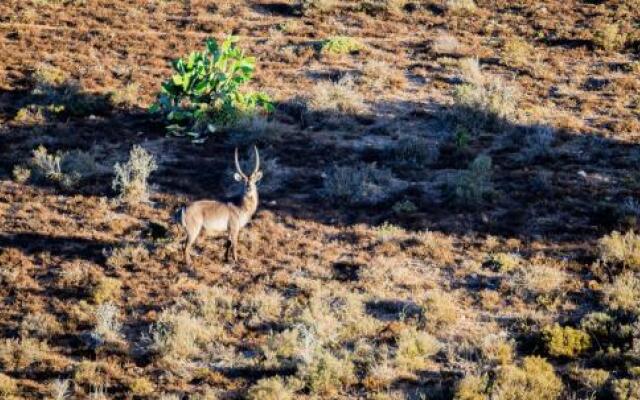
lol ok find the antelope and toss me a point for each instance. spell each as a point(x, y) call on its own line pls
point(217, 217)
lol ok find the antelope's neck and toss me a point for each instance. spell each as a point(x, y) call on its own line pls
point(250, 203)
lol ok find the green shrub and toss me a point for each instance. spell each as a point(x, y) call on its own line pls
point(565, 342)
point(471, 186)
point(340, 45)
point(204, 92)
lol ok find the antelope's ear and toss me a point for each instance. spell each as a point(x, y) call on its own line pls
point(258, 176)
point(237, 177)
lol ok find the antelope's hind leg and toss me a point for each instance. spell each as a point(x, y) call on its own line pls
point(192, 235)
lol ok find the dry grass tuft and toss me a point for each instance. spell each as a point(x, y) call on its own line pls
point(539, 280)
point(130, 179)
point(41, 325)
point(336, 97)
point(310, 7)
point(380, 75)
point(326, 374)
point(440, 309)
point(180, 335)
point(59, 389)
point(534, 380)
point(486, 103)
point(608, 37)
point(624, 293)
point(359, 184)
point(141, 387)
point(128, 95)
point(21, 353)
point(445, 44)
point(91, 373)
point(270, 389)
point(517, 52)
point(106, 289)
point(621, 249)
point(108, 324)
point(497, 350)
point(461, 7)
point(128, 256)
point(64, 168)
point(473, 186)
point(8, 386)
point(20, 174)
point(625, 389)
point(414, 349)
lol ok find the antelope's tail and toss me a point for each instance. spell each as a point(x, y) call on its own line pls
point(179, 216)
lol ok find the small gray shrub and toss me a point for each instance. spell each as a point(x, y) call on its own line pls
point(359, 184)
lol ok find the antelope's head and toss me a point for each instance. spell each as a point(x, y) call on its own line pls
point(251, 180)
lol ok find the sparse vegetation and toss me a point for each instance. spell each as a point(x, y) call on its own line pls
point(450, 192)
point(65, 168)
